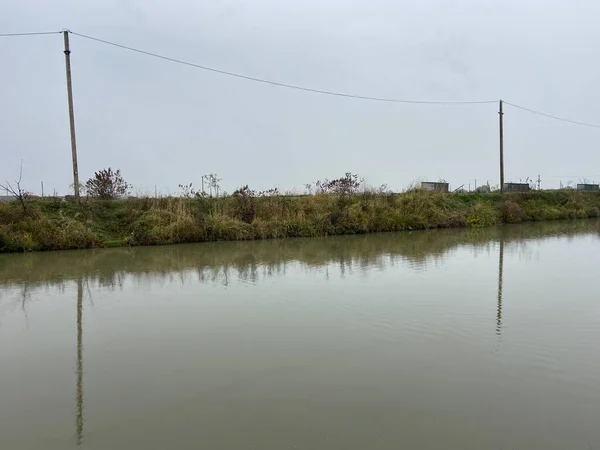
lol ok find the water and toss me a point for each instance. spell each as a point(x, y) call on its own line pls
point(450, 339)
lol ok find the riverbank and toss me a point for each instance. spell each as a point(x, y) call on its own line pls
point(55, 224)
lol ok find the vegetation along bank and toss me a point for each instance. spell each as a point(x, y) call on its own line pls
point(58, 224)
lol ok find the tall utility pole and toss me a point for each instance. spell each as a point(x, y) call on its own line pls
point(501, 114)
point(71, 115)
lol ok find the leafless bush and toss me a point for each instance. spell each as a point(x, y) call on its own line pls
point(349, 184)
point(187, 190)
point(273, 192)
point(17, 191)
point(107, 185)
point(245, 191)
point(212, 183)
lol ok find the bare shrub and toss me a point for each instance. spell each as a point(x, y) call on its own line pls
point(349, 184)
point(187, 190)
point(17, 191)
point(107, 185)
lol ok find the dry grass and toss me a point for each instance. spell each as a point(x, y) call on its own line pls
point(53, 224)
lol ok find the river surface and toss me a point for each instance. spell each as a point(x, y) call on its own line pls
point(449, 339)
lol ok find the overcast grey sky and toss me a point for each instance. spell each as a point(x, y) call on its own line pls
point(164, 124)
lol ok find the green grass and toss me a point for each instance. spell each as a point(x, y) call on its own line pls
point(53, 224)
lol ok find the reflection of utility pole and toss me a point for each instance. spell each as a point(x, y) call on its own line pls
point(79, 388)
point(500, 282)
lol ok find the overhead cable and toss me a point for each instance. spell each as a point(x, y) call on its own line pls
point(552, 116)
point(37, 33)
point(276, 83)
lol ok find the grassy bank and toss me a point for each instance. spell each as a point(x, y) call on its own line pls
point(54, 224)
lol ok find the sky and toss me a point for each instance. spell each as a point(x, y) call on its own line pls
point(164, 124)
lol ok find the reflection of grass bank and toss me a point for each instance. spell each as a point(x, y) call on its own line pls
point(251, 259)
point(53, 224)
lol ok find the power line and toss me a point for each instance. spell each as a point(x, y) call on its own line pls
point(301, 88)
point(276, 83)
point(553, 117)
point(39, 33)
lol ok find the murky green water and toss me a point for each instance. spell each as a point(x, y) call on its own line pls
point(449, 339)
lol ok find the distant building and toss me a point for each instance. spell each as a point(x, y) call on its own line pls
point(516, 187)
point(588, 187)
point(433, 186)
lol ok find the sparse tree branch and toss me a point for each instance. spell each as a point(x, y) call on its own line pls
point(17, 192)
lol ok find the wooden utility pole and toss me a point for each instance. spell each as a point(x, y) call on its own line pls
point(67, 52)
point(501, 114)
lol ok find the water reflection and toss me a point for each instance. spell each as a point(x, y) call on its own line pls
point(252, 261)
point(79, 388)
point(500, 283)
